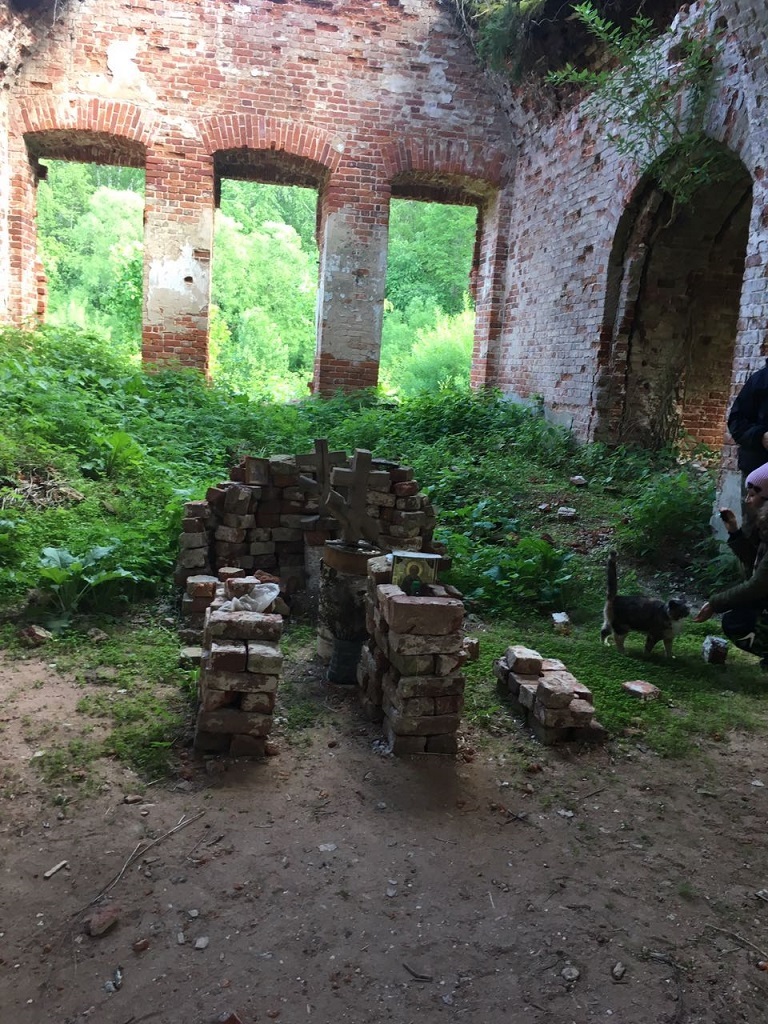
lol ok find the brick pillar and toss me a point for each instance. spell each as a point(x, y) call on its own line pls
point(21, 287)
point(354, 220)
point(5, 190)
point(178, 234)
point(493, 233)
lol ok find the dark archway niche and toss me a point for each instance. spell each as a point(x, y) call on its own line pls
point(85, 147)
point(671, 316)
point(268, 166)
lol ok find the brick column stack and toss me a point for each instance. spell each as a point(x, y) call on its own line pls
point(194, 542)
point(554, 704)
point(410, 671)
point(200, 593)
point(261, 520)
point(239, 676)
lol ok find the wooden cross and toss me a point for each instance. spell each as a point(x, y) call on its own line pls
point(356, 524)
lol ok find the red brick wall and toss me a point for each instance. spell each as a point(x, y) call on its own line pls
point(357, 98)
point(572, 197)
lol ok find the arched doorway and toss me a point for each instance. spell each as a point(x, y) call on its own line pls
point(672, 307)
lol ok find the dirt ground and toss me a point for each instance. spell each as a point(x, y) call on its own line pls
point(331, 882)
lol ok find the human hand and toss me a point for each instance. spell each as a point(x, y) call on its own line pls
point(704, 613)
point(729, 520)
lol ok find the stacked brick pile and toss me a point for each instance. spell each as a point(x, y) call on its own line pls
point(410, 670)
point(239, 675)
point(555, 705)
point(203, 592)
point(406, 517)
point(200, 593)
point(261, 519)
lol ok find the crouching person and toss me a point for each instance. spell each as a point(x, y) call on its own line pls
point(745, 606)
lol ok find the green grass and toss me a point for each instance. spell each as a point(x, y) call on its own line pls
point(127, 448)
point(698, 699)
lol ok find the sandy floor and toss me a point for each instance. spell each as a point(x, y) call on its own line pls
point(331, 883)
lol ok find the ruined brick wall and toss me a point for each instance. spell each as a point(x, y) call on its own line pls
point(569, 291)
point(16, 37)
point(362, 100)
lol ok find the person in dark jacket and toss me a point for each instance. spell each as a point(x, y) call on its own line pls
point(748, 421)
point(745, 605)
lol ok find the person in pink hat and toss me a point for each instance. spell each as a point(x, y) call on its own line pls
point(743, 541)
point(745, 606)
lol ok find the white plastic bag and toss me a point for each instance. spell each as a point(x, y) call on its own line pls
point(259, 599)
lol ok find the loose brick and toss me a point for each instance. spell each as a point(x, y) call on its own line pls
point(422, 616)
point(234, 722)
point(523, 661)
point(265, 658)
point(201, 586)
point(245, 625)
point(227, 657)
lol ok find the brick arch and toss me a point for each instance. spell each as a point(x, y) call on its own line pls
point(224, 132)
point(94, 116)
point(481, 170)
point(671, 308)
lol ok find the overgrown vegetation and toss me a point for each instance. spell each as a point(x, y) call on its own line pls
point(650, 101)
point(98, 456)
point(264, 280)
point(648, 98)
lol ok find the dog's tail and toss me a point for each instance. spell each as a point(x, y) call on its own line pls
point(612, 587)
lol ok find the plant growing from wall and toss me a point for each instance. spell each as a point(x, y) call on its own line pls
point(499, 29)
point(652, 100)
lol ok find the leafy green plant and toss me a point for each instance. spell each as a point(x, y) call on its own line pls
point(499, 29)
point(652, 103)
point(7, 530)
point(115, 454)
point(71, 579)
point(670, 515)
point(526, 575)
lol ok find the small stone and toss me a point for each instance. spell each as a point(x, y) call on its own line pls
point(562, 623)
point(140, 945)
point(132, 798)
point(193, 913)
point(35, 636)
point(578, 481)
point(180, 938)
point(570, 974)
point(97, 636)
point(327, 847)
point(202, 942)
point(102, 920)
point(567, 513)
point(618, 971)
